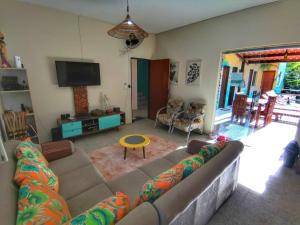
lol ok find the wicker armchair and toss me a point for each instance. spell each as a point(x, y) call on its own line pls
point(191, 119)
point(167, 114)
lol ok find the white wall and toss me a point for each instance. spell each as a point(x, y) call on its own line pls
point(40, 35)
point(272, 24)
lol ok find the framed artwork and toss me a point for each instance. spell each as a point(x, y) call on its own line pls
point(193, 68)
point(174, 68)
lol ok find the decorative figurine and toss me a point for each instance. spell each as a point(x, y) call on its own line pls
point(3, 53)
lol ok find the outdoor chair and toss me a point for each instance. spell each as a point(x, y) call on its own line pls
point(239, 108)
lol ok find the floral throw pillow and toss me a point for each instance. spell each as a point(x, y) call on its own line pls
point(160, 184)
point(190, 164)
point(28, 150)
point(107, 212)
point(37, 204)
point(27, 169)
point(209, 151)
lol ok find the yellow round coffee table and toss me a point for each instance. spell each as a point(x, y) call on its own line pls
point(134, 141)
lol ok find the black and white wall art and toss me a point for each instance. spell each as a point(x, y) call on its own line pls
point(174, 68)
point(193, 68)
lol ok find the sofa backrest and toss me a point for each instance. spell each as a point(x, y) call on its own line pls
point(176, 206)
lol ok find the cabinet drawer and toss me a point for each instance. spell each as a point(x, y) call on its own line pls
point(109, 121)
point(71, 133)
point(71, 126)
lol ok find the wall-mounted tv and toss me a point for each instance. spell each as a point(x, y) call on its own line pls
point(70, 74)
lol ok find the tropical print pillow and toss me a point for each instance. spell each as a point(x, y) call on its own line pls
point(209, 151)
point(190, 164)
point(107, 212)
point(160, 184)
point(28, 150)
point(37, 204)
point(27, 169)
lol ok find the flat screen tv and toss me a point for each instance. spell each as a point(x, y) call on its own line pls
point(70, 74)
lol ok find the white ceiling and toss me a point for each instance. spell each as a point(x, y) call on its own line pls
point(154, 16)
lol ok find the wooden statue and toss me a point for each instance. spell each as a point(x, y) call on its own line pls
point(3, 53)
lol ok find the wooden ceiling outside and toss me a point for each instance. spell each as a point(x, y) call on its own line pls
point(271, 56)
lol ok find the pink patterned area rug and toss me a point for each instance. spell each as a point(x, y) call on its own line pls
point(110, 161)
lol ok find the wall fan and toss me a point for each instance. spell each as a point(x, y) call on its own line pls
point(133, 42)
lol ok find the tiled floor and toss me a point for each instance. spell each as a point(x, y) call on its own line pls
point(267, 194)
point(141, 127)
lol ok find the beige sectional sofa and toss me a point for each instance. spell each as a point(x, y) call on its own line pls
point(193, 201)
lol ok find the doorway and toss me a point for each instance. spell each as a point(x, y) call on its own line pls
point(267, 81)
point(140, 70)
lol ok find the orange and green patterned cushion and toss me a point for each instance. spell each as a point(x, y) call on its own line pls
point(160, 184)
point(27, 169)
point(37, 204)
point(209, 151)
point(107, 212)
point(190, 164)
point(28, 150)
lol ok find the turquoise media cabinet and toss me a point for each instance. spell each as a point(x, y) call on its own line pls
point(82, 126)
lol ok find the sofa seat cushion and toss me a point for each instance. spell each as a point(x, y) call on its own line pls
point(177, 156)
point(88, 199)
point(145, 214)
point(67, 164)
point(79, 180)
point(37, 204)
point(131, 183)
point(156, 167)
point(27, 169)
point(106, 212)
point(8, 193)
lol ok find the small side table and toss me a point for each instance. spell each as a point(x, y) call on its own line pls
point(134, 141)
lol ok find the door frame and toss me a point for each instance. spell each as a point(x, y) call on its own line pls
point(225, 88)
point(148, 100)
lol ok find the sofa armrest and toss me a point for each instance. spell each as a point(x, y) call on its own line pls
point(144, 214)
point(57, 150)
point(194, 146)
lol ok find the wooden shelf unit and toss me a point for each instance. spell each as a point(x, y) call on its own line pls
point(13, 96)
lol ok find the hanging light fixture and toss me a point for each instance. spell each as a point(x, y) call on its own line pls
point(127, 29)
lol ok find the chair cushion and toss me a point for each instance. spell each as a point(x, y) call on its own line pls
point(156, 167)
point(165, 118)
point(177, 156)
point(67, 164)
point(107, 212)
point(131, 183)
point(88, 199)
point(27, 169)
point(79, 180)
point(184, 124)
point(174, 105)
point(37, 204)
point(209, 151)
point(30, 151)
